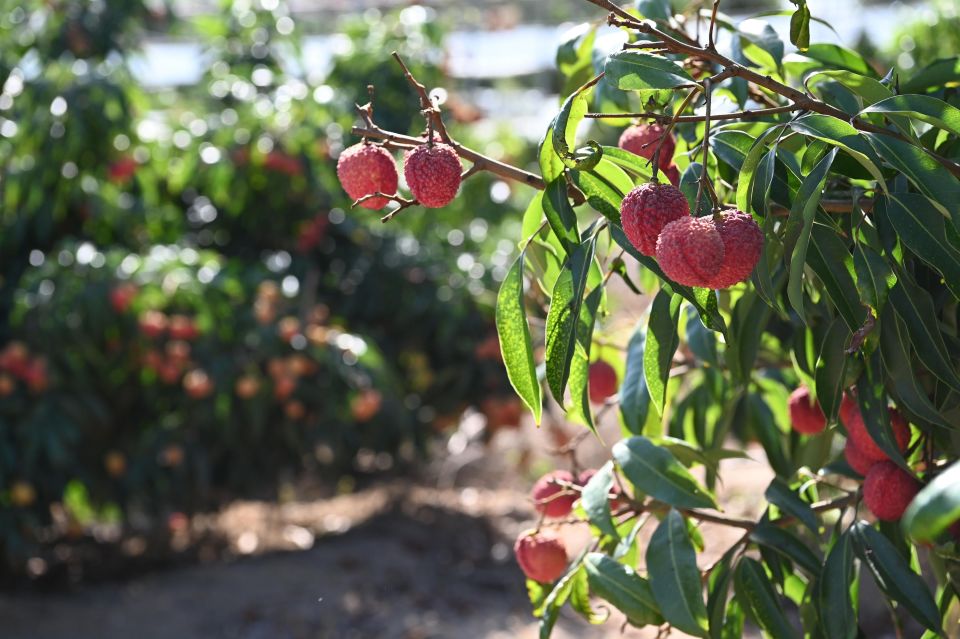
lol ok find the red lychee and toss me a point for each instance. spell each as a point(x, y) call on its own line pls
point(153, 324)
point(647, 209)
point(122, 295)
point(888, 490)
point(541, 558)
point(673, 174)
point(742, 244)
point(856, 459)
point(857, 431)
point(365, 169)
point(183, 328)
point(603, 381)
point(690, 251)
point(849, 408)
point(552, 499)
point(806, 416)
point(432, 172)
point(198, 384)
point(642, 140)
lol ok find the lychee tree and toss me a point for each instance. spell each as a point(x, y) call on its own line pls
point(795, 219)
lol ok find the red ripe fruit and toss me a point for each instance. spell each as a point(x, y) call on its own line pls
point(642, 140)
point(849, 409)
point(690, 251)
point(742, 244)
point(541, 558)
point(603, 381)
point(806, 416)
point(647, 209)
point(365, 169)
point(856, 459)
point(548, 495)
point(432, 172)
point(673, 174)
point(122, 296)
point(888, 490)
point(857, 431)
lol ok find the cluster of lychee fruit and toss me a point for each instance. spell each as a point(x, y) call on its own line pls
point(432, 171)
point(17, 363)
point(887, 488)
point(541, 556)
point(643, 139)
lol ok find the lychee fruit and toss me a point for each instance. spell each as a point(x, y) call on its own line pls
point(857, 431)
point(552, 499)
point(247, 386)
point(673, 174)
point(541, 558)
point(806, 416)
point(183, 328)
point(690, 251)
point(153, 324)
point(856, 459)
point(742, 244)
point(365, 169)
point(198, 384)
point(432, 172)
point(603, 381)
point(849, 408)
point(647, 209)
point(642, 140)
point(122, 295)
point(366, 404)
point(888, 490)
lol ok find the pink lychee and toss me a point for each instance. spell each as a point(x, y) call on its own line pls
point(432, 172)
point(647, 209)
point(365, 169)
point(690, 251)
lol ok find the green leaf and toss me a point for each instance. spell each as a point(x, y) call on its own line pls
point(931, 177)
point(629, 161)
point(898, 364)
point(761, 44)
point(603, 197)
point(805, 205)
point(800, 28)
point(638, 71)
point(662, 340)
point(550, 165)
point(923, 230)
point(834, 55)
point(788, 544)
point(759, 599)
point(595, 500)
point(916, 309)
point(634, 396)
point(875, 278)
point(623, 588)
point(532, 218)
point(655, 471)
point(580, 598)
point(783, 497)
point(934, 75)
point(834, 604)
point(935, 508)
point(550, 610)
point(748, 191)
point(560, 215)
point(893, 575)
point(674, 576)
point(831, 367)
point(872, 397)
point(920, 107)
point(565, 132)
point(869, 89)
point(579, 381)
point(831, 260)
point(563, 317)
point(840, 133)
point(655, 9)
point(515, 342)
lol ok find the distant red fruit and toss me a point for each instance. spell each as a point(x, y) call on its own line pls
point(122, 295)
point(120, 171)
point(849, 408)
point(552, 499)
point(433, 173)
point(642, 140)
point(153, 324)
point(365, 169)
point(603, 381)
point(888, 490)
point(857, 430)
point(742, 245)
point(281, 162)
point(673, 174)
point(647, 209)
point(690, 251)
point(806, 416)
point(198, 384)
point(856, 459)
point(541, 558)
point(182, 327)
point(15, 358)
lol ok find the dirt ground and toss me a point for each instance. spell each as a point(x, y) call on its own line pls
point(424, 559)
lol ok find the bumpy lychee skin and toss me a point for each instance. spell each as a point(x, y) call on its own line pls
point(433, 174)
point(642, 140)
point(603, 381)
point(365, 169)
point(856, 459)
point(857, 431)
point(806, 416)
point(647, 209)
point(888, 490)
point(547, 494)
point(849, 408)
point(742, 243)
point(690, 251)
point(541, 558)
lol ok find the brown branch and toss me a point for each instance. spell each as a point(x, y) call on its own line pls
point(738, 115)
point(655, 160)
point(429, 110)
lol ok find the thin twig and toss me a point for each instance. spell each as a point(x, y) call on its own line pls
point(655, 160)
point(737, 115)
point(713, 26)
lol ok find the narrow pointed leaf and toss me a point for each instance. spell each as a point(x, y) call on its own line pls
point(674, 576)
point(656, 472)
point(515, 343)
